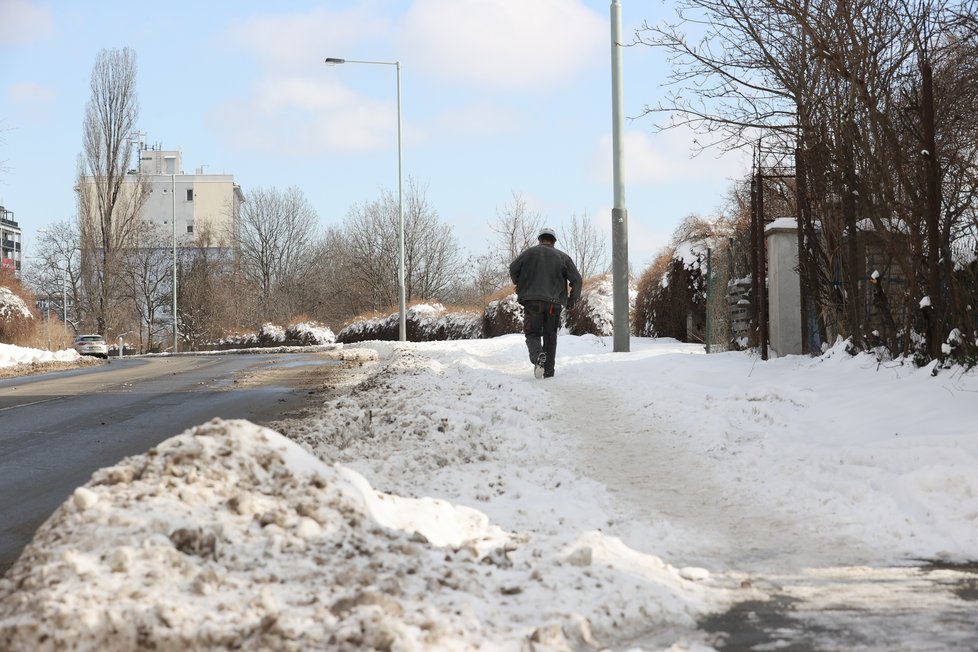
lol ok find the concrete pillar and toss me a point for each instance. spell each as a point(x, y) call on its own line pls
point(784, 289)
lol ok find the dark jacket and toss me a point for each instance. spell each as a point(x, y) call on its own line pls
point(542, 272)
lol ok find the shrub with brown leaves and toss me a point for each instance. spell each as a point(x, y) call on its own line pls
point(18, 323)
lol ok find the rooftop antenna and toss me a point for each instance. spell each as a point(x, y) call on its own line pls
point(138, 140)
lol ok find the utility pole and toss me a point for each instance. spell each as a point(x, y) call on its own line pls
point(619, 214)
point(173, 209)
point(932, 175)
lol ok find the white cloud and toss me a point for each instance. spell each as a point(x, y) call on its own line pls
point(480, 119)
point(33, 103)
point(306, 39)
point(492, 43)
point(503, 43)
point(298, 105)
point(30, 93)
point(22, 21)
point(307, 116)
point(275, 94)
point(666, 157)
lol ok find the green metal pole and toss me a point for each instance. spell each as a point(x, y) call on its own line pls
point(709, 293)
point(619, 214)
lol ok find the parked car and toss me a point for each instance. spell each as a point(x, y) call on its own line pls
point(92, 345)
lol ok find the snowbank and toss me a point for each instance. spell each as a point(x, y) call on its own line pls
point(11, 355)
point(12, 306)
point(447, 500)
point(230, 536)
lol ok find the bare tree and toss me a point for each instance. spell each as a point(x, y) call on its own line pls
point(868, 99)
point(146, 273)
point(275, 237)
point(362, 257)
point(516, 228)
point(370, 236)
point(482, 279)
point(585, 245)
point(56, 271)
point(431, 252)
point(339, 294)
point(214, 300)
point(108, 205)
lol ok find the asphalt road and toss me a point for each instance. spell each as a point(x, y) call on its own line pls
point(57, 429)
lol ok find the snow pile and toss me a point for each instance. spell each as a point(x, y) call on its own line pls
point(11, 355)
point(306, 333)
point(423, 323)
point(12, 306)
point(230, 536)
point(835, 457)
point(504, 316)
point(271, 334)
point(615, 505)
point(594, 313)
point(310, 333)
point(238, 340)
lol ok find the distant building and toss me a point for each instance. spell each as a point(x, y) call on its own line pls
point(204, 208)
point(11, 238)
point(206, 205)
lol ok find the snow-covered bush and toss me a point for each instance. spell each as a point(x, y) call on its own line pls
point(423, 323)
point(304, 333)
point(271, 335)
point(594, 313)
point(238, 341)
point(309, 333)
point(671, 300)
point(16, 319)
point(503, 315)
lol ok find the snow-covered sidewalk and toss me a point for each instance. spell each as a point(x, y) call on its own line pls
point(445, 499)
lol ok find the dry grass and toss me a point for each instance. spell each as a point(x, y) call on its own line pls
point(34, 368)
point(51, 336)
point(500, 294)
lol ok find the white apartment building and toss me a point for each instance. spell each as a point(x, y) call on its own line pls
point(11, 237)
point(201, 205)
point(203, 209)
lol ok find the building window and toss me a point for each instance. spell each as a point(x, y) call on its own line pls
point(190, 228)
point(190, 194)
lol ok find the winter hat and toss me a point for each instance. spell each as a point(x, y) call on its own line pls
point(547, 233)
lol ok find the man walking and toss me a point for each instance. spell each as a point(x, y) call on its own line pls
point(541, 275)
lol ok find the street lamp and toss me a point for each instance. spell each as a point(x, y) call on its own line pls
point(619, 214)
point(173, 211)
point(402, 329)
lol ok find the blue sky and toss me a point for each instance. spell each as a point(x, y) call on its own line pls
point(498, 97)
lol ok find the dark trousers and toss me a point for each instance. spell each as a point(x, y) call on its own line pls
point(541, 320)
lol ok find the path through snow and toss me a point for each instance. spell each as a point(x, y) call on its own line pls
point(661, 475)
point(732, 491)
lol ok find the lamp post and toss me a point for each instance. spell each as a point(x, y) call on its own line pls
point(402, 328)
point(173, 208)
point(619, 214)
